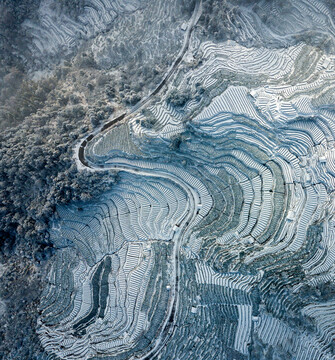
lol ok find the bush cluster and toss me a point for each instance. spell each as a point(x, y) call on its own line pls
point(21, 97)
point(37, 172)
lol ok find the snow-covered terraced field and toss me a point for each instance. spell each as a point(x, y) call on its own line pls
point(53, 33)
point(117, 31)
point(219, 236)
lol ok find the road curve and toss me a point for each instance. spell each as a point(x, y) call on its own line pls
point(194, 198)
point(126, 115)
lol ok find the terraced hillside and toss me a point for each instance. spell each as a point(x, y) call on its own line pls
point(217, 239)
point(114, 33)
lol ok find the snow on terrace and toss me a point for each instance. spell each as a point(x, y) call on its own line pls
point(257, 188)
point(53, 32)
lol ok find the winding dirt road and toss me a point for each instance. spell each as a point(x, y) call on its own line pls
point(125, 116)
point(194, 198)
